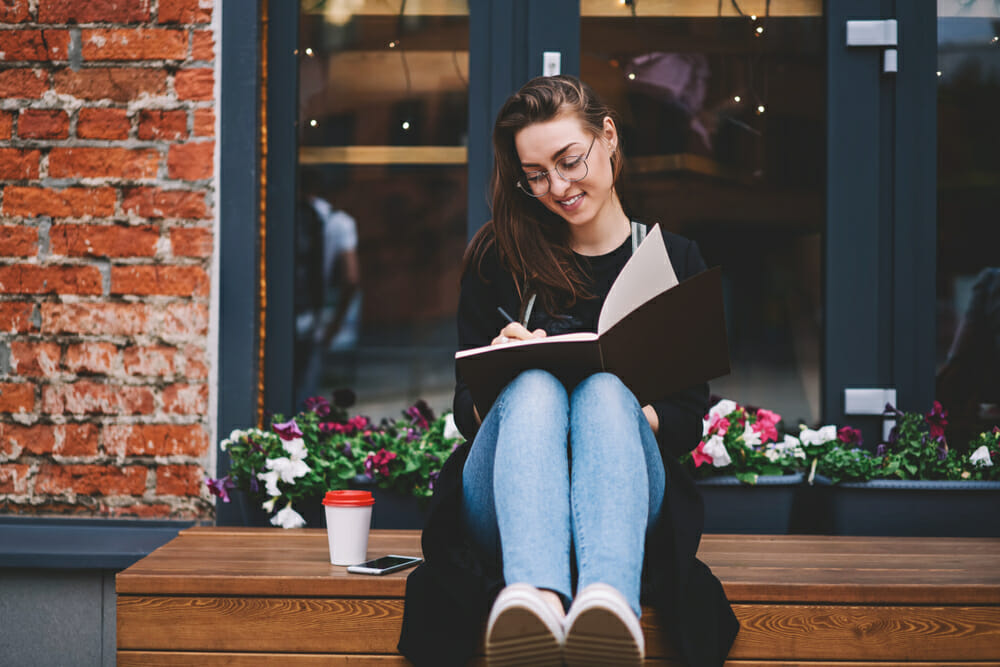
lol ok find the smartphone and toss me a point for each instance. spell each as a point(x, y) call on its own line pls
point(385, 564)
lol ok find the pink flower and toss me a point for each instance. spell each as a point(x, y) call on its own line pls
point(288, 430)
point(700, 456)
point(937, 419)
point(717, 425)
point(379, 462)
point(766, 429)
point(850, 436)
point(768, 416)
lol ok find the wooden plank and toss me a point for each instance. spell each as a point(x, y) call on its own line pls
point(391, 8)
point(383, 155)
point(698, 8)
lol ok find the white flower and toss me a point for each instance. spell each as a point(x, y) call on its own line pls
point(772, 453)
point(236, 435)
point(825, 434)
point(288, 469)
point(288, 518)
point(793, 445)
point(722, 408)
point(268, 506)
point(450, 430)
point(271, 480)
point(750, 437)
point(981, 457)
point(716, 448)
point(224, 444)
point(704, 428)
point(296, 448)
point(828, 433)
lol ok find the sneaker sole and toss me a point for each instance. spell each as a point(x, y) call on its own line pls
point(597, 638)
point(519, 637)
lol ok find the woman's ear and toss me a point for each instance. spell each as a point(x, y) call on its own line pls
point(610, 134)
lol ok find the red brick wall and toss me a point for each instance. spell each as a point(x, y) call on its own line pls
point(107, 124)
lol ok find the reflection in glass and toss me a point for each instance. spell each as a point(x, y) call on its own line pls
point(381, 222)
point(968, 275)
point(724, 130)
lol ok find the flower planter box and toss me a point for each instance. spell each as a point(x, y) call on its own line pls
point(734, 507)
point(901, 508)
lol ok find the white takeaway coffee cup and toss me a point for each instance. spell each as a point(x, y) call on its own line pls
point(348, 517)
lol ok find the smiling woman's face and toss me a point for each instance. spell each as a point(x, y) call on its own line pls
point(540, 145)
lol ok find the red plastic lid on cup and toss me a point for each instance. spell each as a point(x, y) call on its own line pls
point(348, 498)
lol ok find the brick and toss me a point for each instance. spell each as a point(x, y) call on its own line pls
point(140, 511)
point(185, 399)
point(185, 11)
point(202, 45)
point(110, 319)
point(34, 279)
point(17, 397)
point(32, 359)
point(159, 279)
point(191, 162)
point(179, 480)
point(43, 124)
point(92, 480)
point(44, 439)
point(19, 164)
point(7, 120)
point(22, 83)
point(14, 476)
point(103, 240)
point(163, 124)
point(95, 358)
point(194, 365)
point(191, 242)
point(84, 397)
point(103, 163)
point(34, 45)
point(204, 122)
point(103, 124)
point(155, 440)
point(185, 319)
point(133, 44)
point(93, 11)
point(149, 360)
point(66, 203)
point(157, 203)
point(15, 11)
point(195, 84)
point(18, 241)
point(15, 317)
point(104, 83)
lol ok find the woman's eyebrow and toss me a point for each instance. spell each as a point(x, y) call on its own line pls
point(555, 156)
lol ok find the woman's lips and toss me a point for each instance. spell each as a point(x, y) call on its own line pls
point(571, 203)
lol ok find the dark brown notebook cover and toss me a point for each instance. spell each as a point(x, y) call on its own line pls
point(674, 340)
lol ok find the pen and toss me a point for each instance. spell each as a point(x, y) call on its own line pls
point(506, 316)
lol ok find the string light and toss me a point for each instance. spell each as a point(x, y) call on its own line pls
point(759, 30)
point(753, 17)
point(309, 51)
point(939, 73)
point(631, 76)
point(313, 122)
point(393, 44)
point(737, 98)
point(995, 39)
point(760, 109)
point(406, 125)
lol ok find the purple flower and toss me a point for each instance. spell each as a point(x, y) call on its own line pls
point(346, 449)
point(942, 451)
point(288, 430)
point(882, 450)
point(431, 478)
point(891, 410)
point(420, 414)
point(254, 486)
point(319, 405)
point(412, 434)
point(220, 487)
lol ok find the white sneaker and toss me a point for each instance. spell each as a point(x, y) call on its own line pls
point(602, 629)
point(523, 629)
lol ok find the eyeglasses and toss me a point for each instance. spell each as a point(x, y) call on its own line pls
point(569, 167)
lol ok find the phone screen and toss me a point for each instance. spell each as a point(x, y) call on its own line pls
point(388, 561)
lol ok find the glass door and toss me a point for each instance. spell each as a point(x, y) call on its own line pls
point(724, 130)
point(381, 207)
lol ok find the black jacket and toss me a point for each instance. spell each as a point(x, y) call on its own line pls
point(448, 597)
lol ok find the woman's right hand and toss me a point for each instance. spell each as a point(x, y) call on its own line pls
point(516, 331)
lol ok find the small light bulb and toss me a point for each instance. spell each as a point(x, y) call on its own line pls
point(313, 123)
point(753, 17)
point(737, 98)
point(995, 39)
point(392, 45)
point(760, 109)
point(939, 73)
point(631, 76)
point(406, 124)
point(309, 51)
point(760, 30)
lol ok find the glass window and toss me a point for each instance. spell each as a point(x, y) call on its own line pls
point(381, 223)
point(968, 260)
point(724, 130)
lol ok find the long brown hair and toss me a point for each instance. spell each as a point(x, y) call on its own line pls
point(531, 241)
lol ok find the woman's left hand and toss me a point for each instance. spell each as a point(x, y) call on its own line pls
point(652, 418)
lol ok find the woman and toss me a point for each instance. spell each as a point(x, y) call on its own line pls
point(566, 506)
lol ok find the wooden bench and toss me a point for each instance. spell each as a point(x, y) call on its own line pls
point(244, 596)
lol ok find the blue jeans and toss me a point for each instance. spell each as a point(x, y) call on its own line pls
point(549, 472)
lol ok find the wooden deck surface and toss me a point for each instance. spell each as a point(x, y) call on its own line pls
point(243, 596)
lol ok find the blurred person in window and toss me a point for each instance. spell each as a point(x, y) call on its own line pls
point(969, 382)
point(327, 281)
